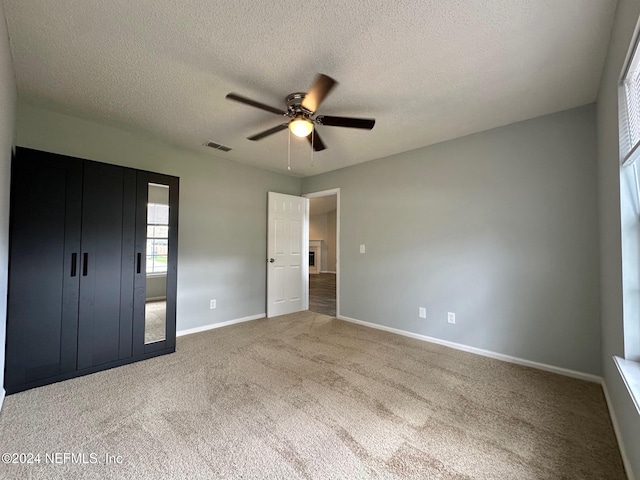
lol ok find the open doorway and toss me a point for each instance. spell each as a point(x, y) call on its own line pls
point(324, 222)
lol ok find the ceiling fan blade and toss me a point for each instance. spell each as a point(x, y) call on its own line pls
point(266, 133)
point(366, 123)
point(318, 144)
point(247, 101)
point(318, 92)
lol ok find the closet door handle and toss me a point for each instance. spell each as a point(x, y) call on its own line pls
point(74, 264)
point(85, 262)
point(139, 262)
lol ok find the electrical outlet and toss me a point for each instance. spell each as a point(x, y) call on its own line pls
point(451, 317)
point(212, 304)
point(363, 249)
point(422, 312)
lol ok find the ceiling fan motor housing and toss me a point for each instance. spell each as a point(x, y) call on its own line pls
point(294, 105)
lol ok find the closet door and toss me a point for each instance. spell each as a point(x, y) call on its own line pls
point(46, 200)
point(107, 265)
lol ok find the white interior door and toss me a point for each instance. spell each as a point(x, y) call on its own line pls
point(287, 254)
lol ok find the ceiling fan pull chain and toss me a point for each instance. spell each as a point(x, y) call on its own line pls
point(313, 136)
point(289, 152)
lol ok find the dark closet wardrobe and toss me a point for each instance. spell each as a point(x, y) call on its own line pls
point(85, 239)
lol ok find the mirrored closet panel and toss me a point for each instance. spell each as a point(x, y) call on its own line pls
point(156, 274)
point(156, 256)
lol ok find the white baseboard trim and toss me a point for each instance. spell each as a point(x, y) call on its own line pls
point(616, 429)
point(211, 326)
point(2, 395)
point(155, 299)
point(327, 271)
point(479, 351)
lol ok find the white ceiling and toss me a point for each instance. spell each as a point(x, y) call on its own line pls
point(427, 70)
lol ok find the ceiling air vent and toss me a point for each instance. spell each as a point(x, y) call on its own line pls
point(217, 146)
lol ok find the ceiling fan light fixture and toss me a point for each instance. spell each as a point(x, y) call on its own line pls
point(300, 126)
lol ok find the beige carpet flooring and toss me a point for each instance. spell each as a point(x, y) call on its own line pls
point(309, 396)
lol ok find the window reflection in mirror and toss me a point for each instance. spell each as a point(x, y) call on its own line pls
point(157, 251)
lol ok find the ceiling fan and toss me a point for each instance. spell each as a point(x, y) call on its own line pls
point(301, 110)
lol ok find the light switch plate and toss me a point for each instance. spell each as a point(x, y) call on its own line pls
point(362, 248)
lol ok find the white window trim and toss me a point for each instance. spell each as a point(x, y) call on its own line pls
point(629, 369)
point(630, 373)
point(159, 273)
point(631, 157)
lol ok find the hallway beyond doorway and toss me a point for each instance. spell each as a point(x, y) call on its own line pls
point(322, 293)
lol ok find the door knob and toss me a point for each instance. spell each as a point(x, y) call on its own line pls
point(271, 260)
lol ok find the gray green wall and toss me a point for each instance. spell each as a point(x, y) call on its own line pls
point(499, 227)
point(222, 224)
point(8, 99)
point(156, 286)
point(616, 235)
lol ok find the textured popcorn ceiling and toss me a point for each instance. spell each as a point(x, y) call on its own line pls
point(428, 71)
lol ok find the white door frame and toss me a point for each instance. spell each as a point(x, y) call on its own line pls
point(326, 193)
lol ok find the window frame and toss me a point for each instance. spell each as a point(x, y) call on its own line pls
point(629, 155)
point(150, 257)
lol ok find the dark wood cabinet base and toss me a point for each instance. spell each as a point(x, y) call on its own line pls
point(87, 371)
